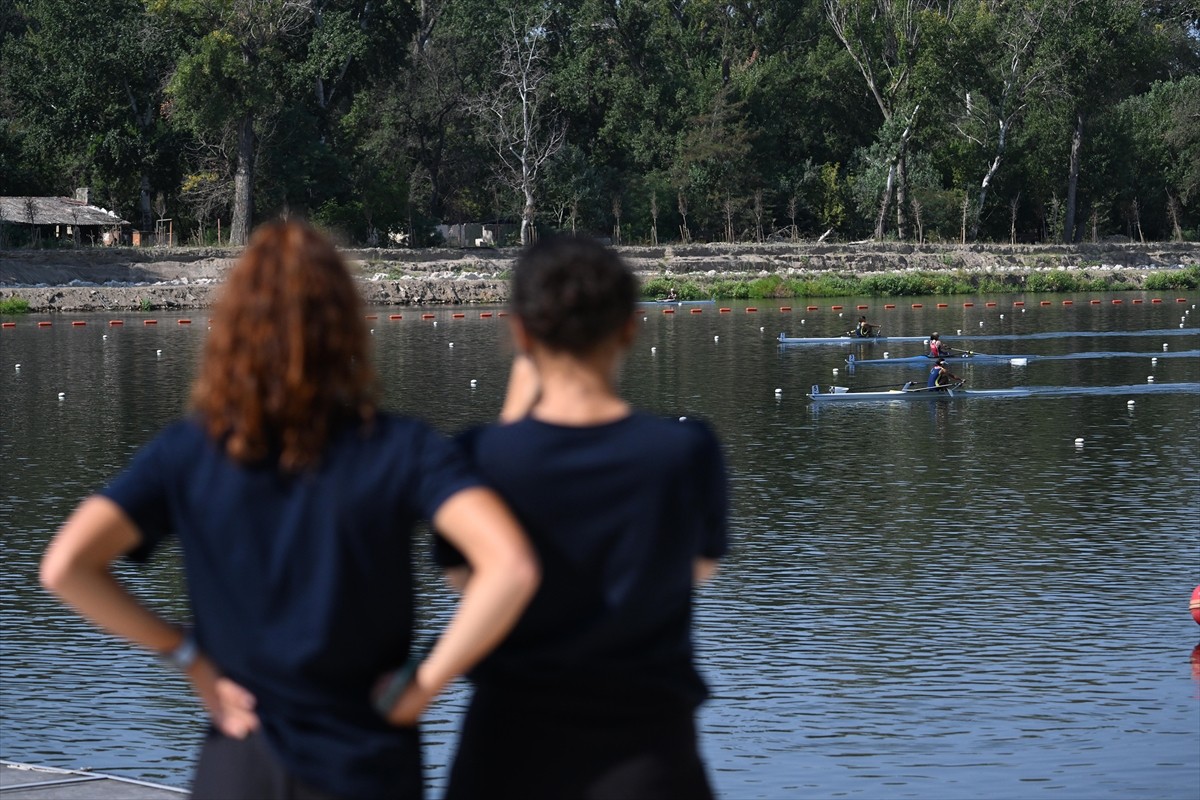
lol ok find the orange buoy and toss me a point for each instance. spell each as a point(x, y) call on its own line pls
point(1068, 302)
point(1180, 299)
point(183, 321)
point(45, 324)
point(697, 310)
point(836, 308)
point(458, 316)
point(889, 306)
point(943, 305)
point(968, 305)
point(1138, 301)
point(485, 315)
point(917, 305)
point(149, 322)
point(1018, 303)
point(502, 314)
point(1156, 300)
point(1194, 604)
point(751, 310)
point(427, 316)
point(724, 310)
point(8, 324)
point(1044, 303)
point(1117, 302)
point(395, 316)
point(116, 322)
point(78, 323)
point(785, 308)
point(862, 308)
point(1094, 302)
point(813, 308)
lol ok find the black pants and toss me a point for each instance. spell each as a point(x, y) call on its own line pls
point(530, 751)
point(245, 769)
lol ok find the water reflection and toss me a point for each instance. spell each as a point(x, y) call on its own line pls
point(933, 600)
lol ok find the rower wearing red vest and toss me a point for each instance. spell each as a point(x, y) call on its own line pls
point(937, 349)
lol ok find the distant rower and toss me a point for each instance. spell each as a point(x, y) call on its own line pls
point(941, 378)
point(937, 349)
point(864, 329)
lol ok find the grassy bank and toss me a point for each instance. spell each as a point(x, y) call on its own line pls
point(897, 284)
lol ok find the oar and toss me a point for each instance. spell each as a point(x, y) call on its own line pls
point(938, 388)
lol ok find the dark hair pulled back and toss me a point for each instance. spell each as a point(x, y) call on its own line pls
point(572, 293)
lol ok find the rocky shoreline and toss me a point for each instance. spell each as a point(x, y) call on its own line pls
point(128, 279)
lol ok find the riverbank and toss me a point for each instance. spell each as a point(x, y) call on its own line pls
point(143, 279)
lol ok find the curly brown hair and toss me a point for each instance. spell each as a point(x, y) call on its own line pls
point(286, 361)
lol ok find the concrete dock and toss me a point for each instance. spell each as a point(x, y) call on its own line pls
point(26, 782)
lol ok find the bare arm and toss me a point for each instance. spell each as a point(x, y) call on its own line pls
point(77, 568)
point(703, 570)
point(503, 577)
point(524, 388)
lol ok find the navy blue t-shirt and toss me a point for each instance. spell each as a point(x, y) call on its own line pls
point(617, 513)
point(301, 585)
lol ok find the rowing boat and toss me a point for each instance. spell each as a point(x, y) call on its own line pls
point(663, 301)
point(968, 356)
point(848, 339)
point(995, 337)
point(844, 394)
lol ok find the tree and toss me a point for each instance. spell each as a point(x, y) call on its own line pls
point(524, 130)
point(229, 84)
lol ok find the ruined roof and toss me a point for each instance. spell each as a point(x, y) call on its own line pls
point(54, 211)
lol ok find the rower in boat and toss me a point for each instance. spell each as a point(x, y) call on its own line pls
point(671, 294)
point(938, 349)
point(940, 377)
point(864, 329)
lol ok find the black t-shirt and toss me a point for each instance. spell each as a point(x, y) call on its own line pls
point(301, 586)
point(617, 513)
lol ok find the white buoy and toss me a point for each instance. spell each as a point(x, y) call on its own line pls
point(1164, 347)
point(1149, 379)
point(1022, 311)
point(762, 330)
point(473, 382)
point(683, 419)
point(960, 331)
point(1153, 360)
point(1131, 403)
point(1001, 316)
point(840, 314)
point(18, 366)
point(835, 372)
point(779, 391)
point(1079, 442)
point(802, 322)
point(981, 323)
point(886, 354)
point(653, 349)
point(716, 338)
point(158, 352)
point(645, 318)
point(1181, 324)
point(105, 336)
point(62, 395)
point(452, 344)
point(372, 331)
point(1018, 362)
point(435, 323)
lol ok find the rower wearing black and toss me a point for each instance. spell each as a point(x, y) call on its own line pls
point(864, 329)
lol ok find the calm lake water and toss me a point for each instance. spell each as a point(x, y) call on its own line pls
point(938, 600)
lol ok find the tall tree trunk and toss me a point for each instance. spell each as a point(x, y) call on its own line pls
point(243, 183)
point(902, 193)
point(144, 205)
point(1068, 232)
point(527, 218)
point(887, 199)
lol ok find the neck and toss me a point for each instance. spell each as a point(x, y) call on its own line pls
point(578, 391)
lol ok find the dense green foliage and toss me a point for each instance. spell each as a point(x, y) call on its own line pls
point(895, 284)
point(711, 121)
point(14, 305)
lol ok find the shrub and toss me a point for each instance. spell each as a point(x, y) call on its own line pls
point(14, 305)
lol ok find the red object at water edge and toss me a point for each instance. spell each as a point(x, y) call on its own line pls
point(1194, 605)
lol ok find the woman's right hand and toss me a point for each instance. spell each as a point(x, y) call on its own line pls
point(230, 705)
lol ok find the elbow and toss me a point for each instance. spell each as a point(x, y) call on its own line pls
point(526, 574)
point(55, 571)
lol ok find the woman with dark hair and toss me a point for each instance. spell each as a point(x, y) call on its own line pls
point(294, 498)
point(594, 693)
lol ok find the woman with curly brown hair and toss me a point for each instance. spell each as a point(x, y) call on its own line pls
point(294, 497)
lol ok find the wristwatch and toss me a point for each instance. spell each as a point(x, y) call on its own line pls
point(183, 656)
